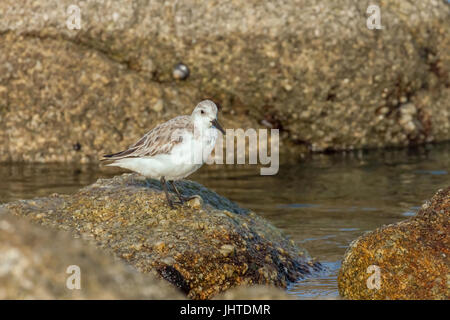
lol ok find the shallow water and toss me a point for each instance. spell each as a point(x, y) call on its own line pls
point(323, 202)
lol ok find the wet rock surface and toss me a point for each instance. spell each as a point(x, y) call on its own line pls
point(311, 68)
point(203, 247)
point(34, 261)
point(413, 257)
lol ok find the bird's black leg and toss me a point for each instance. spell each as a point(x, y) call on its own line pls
point(180, 196)
point(182, 199)
point(164, 186)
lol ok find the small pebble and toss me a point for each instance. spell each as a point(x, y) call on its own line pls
point(180, 71)
point(226, 249)
point(196, 202)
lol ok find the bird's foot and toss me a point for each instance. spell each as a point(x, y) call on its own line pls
point(184, 199)
point(190, 198)
point(181, 201)
point(171, 204)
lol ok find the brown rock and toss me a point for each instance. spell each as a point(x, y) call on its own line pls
point(412, 257)
point(310, 68)
point(203, 251)
point(35, 261)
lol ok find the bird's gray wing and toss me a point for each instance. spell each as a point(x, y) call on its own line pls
point(159, 140)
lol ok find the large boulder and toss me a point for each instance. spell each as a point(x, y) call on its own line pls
point(311, 68)
point(42, 263)
point(203, 247)
point(405, 260)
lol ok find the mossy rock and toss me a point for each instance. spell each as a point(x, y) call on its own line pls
point(412, 257)
point(203, 247)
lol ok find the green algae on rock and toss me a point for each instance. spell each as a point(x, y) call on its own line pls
point(34, 264)
point(412, 257)
point(203, 247)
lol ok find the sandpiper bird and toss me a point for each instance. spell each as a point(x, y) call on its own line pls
point(174, 149)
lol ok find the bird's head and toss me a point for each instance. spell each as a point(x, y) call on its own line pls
point(205, 115)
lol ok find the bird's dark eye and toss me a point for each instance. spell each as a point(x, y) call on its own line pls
point(202, 112)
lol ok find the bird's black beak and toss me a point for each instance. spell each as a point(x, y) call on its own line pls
point(216, 125)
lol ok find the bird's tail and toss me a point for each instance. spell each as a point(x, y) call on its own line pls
point(118, 155)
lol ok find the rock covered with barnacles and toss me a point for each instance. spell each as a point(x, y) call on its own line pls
point(203, 247)
point(311, 68)
point(406, 260)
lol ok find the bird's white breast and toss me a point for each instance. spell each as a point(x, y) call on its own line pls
point(184, 159)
